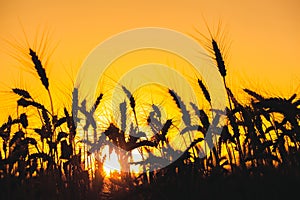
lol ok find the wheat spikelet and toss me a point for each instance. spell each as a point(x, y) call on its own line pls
point(22, 93)
point(60, 121)
point(16, 137)
point(156, 110)
point(6, 125)
point(219, 58)
point(196, 109)
point(166, 127)
point(42, 74)
point(204, 90)
point(131, 100)
point(180, 104)
point(39, 106)
point(130, 97)
point(175, 98)
point(204, 119)
point(39, 68)
point(292, 97)
point(70, 123)
point(46, 119)
point(24, 120)
point(123, 108)
point(74, 104)
point(25, 103)
point(98, 100)
point(254, 94)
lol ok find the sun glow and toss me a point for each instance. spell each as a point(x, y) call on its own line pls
point(112, 165)
point(111, 162)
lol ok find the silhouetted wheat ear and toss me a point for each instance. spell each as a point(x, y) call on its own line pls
point(186, 117)
point(204, 119)
point(123, 109)
point(98, 100)
point(24, 120)
point(46, 118)
point(39, 68)
point(204, 90)
point(254, 94)
point(156, 110)
point(130, 97)
point(196, 109)
point(132, 102)
point(47, 125)
point(219, 58)
point(25, 103)
point(22, 93)
point(166, 127)
point(292, 97)
point(175, 98)
point(7, 124)
point(75, 102)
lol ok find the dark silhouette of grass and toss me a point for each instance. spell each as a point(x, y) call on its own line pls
point(257, 156)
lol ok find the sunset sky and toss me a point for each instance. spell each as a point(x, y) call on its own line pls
point(264, 53)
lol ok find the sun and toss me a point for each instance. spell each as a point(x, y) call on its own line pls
point(111, 163)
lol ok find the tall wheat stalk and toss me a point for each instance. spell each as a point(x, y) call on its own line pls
point(42, 74)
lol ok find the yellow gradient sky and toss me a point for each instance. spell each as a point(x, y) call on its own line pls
point(265, 35)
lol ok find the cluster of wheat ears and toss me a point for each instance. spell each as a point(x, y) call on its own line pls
point(258, 137)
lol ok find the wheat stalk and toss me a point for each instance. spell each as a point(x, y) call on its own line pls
point(42, 74)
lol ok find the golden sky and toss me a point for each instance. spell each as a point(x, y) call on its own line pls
point(265, 34)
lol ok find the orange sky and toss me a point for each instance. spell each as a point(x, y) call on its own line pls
point(265, 35)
